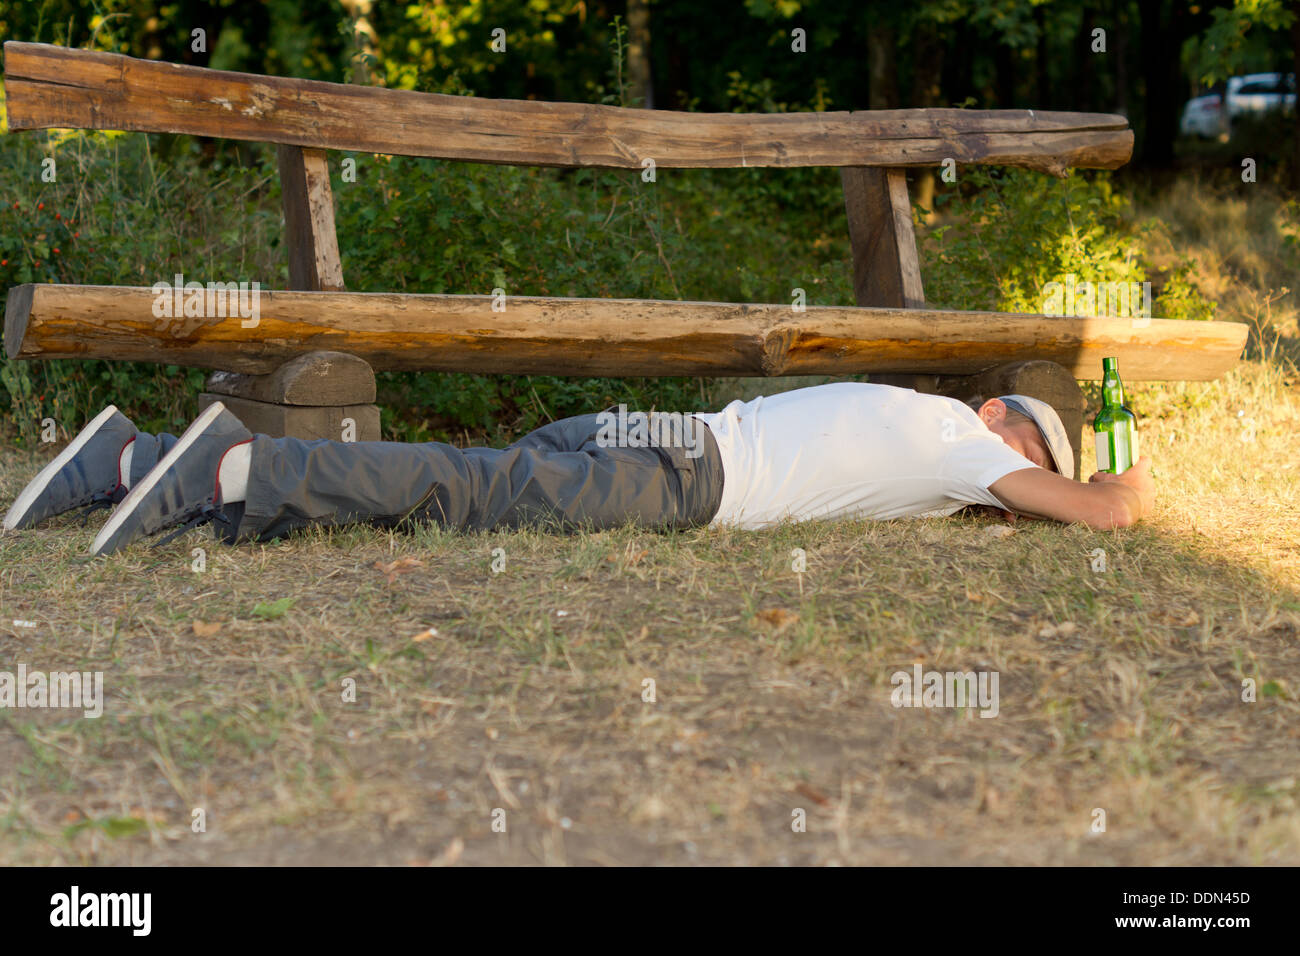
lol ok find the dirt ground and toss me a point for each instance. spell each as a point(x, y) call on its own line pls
point(629, 698)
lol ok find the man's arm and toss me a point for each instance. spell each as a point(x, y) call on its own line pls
point(1106, 501)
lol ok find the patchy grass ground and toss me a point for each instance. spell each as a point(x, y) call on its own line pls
point(1120, 690)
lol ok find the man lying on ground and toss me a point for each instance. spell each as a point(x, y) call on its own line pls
point(831, 451)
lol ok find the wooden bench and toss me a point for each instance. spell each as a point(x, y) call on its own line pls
point(276, 378)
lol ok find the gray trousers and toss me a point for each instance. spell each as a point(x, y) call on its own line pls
point(556, 477)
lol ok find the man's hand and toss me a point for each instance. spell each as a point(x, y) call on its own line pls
point(1138, 477)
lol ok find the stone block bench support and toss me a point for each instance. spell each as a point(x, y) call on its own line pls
point(316, 395)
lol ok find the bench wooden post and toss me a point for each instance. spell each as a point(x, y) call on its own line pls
point(317, 394)
point(309, 232)
point(886, 268)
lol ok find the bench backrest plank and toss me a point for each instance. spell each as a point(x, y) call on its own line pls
point(58, 87)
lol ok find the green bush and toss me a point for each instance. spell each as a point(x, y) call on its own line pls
point(115, 216)
point(1017, 231)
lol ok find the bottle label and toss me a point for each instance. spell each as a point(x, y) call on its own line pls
point(1103, 451)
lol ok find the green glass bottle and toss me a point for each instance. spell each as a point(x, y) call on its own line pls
point(1115, 426)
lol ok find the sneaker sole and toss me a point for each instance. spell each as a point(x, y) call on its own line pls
point(138, 493)
point(23, 503)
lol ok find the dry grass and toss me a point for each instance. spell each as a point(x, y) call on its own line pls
point(1243, 245)
point(1119, 690)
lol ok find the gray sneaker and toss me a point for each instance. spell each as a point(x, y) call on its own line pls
point(182, 489)
point(84, 473)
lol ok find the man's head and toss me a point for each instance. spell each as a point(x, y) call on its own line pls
point(1031, 428)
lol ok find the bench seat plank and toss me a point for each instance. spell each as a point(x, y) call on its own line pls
point(56, 87)
point(615, 337)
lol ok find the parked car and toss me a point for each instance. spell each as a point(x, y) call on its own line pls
point(1259, 93)
point(1212, 116)
point(1203, 117)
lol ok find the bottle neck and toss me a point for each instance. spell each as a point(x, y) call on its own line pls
point(1112, 389)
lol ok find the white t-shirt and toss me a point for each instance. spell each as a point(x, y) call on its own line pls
point(854, 450)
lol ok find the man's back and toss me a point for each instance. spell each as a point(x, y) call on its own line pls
point(854, 450)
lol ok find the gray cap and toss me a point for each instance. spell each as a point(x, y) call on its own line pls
point(1049, 426)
